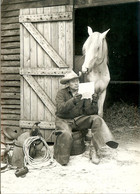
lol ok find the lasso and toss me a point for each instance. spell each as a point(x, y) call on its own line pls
point(46, 160)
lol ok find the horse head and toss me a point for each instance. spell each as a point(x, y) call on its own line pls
point(95, 50)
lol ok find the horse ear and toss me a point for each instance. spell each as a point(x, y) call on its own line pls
point(105, 33)
point(89, 31)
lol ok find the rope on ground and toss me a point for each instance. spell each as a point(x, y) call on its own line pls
point(46, 160)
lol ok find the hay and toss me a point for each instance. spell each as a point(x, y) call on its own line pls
point(121, 114)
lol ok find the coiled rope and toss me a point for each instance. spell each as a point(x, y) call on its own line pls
point(46, 160)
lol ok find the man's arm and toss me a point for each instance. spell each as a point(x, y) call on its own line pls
point(62, 105)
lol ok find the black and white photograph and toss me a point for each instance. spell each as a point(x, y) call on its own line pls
point(70, 96)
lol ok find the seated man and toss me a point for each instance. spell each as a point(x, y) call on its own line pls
point(75, 113)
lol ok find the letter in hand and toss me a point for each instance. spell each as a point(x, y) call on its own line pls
point(77, 97)
point(95, 97)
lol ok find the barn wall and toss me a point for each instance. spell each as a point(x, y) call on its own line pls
point(90, 3)
point(10, 52)
point(10, 58)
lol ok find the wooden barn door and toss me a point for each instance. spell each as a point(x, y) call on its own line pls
point(46, 43)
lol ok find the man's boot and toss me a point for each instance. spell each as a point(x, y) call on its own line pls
point(62, 147)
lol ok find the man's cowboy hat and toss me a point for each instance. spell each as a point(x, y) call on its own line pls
point(68, 76)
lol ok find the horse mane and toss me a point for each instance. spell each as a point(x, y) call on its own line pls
point(105, 49)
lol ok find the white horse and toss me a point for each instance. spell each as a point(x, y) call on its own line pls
point(95, 66)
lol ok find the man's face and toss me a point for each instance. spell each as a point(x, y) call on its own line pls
point(74, 84)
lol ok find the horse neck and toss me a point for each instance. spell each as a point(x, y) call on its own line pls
point(104, 61)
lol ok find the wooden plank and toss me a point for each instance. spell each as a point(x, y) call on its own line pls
point(26, 63)
point(23, 1)
point(10, 95)
point(40, 62)
point(10, 122)
point(15, 107)
point(55, 45)
point(10, 58)
point(10, 89)
point(5, 2)
point(62, 44)
point(10, 32)
point(43, 71)
point(10, 70)
point(9, 20)
point(54, 30)
point(69, 51)
point(41, 94)
point(7, 77)
point(64, 16)
point(33, 4)
point(34, 64)
point(10, 111)
point(10, 83)
point(9, 13)
point(61, 39)
point(21, 65)
point(10, 45)
point(10, 63)
point(45, 45)
point(43, 124)
point(21, 44)
point(92, 3)
point(8, 117)
point(52, 2)
point(10, 51)
point(47, 65)
point(33, 51)
point(10, 39)
point(10, 102)
point(10, 26)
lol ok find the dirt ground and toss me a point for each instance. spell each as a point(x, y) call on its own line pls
point(118, 171)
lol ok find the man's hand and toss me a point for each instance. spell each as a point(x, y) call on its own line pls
point(77, 98)
point(95, 97)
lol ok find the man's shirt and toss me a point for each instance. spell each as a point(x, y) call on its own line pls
point(66, 109)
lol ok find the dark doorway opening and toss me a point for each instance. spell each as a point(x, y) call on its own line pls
point(123, 46)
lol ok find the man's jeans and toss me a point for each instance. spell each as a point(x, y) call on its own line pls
point(64, 128)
